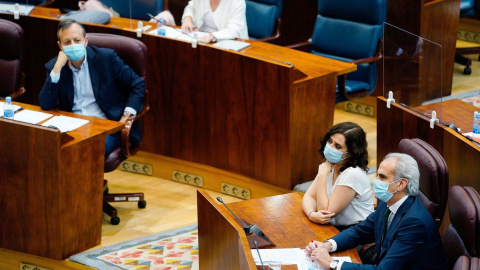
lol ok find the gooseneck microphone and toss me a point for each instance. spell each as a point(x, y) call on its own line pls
point(246, 228)
point(258, 251)
point(448, 124)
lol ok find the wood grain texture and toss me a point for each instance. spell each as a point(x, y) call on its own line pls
point(51, 193)
point(236, 111)
point(222, 239)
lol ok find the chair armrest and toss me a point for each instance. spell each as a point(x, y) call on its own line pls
point(367, 253)
point(377, 57)
point(46, 3)
point(301, 46)
point(275, 35)
point(127, 148)
point(21, 90)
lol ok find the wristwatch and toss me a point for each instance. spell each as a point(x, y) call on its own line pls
point(127, 114)
point(214, 38)
point(333, 265)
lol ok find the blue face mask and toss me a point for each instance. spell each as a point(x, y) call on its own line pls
point(380, 189)
point(332, 155)
point(75, 52)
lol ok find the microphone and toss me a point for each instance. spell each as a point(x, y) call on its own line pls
point(246, 228)
point(448, 124)
point(258, 251)
point(164, 23)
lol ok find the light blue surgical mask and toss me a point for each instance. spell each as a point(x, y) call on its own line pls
point(75, 51)
point(380, 189)
point(332, 155)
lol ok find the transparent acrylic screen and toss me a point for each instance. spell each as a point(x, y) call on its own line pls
point(412, 70)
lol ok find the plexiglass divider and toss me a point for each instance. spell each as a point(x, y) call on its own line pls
point(412, 70)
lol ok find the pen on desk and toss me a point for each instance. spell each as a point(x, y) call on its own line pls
point(313, 244)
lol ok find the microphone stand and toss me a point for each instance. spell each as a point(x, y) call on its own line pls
point(258, 251)
point(246, 228)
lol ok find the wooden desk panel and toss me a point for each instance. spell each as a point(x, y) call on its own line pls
point(247, 112)
point(224, 245)
point(51, 196)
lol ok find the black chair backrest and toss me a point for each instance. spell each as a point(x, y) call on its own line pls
point(11, 52)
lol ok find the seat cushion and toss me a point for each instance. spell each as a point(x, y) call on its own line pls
point(463, 216)
point(9, 76)
point(139, 10)
point(467, 8)
point(11, 37)
point(365, 11)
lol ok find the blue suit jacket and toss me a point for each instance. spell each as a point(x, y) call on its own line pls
point(115, 86)
point(412, 240)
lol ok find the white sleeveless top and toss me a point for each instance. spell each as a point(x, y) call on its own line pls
point(361, 205)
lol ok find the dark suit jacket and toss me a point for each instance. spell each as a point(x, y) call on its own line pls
point(115, 86)
point(412, 240)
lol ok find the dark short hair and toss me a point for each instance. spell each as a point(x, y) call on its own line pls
point(64, 24)
point(355, 139)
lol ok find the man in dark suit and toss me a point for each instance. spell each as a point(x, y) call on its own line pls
point(405, 234)
point(91, 81)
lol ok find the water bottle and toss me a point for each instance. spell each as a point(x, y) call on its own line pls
point(161, 27)
point(8, 108)
point(476, 122)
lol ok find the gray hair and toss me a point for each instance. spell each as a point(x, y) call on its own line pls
point(407, 168)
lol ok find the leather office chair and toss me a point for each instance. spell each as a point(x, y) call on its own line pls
point(461, 240)
point(434, 181)
point(263, 19)
point(350, 31)
point(11, 76)
point(134, 53)
point(139, 8)
point(468, 8)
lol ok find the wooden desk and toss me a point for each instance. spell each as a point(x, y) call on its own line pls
point(460, 154)
point(249, 112)
point(51, 195)
point(223, 244)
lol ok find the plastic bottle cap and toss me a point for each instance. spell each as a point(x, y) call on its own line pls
point(8, 99)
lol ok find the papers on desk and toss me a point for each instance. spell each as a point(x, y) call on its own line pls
point(32, 117)
point(15, 108)
point(10, 8)
point(232, 45)
point(289, 256)
point(65, 123)
point(176, 33)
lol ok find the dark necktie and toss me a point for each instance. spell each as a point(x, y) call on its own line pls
point(385, 224)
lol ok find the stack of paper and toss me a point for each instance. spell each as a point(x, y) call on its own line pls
point(176, 33)
point(64, 123)
point(10, 8)
point(232, 45)
point(288, 256)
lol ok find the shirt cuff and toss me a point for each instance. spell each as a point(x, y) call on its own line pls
point(334, 244)
point(339, 265)
point(54, 77)
point(130, 110)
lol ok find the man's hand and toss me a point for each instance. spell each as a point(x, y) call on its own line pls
point(187, 25)
point(62, 59)
point(312, 246)
point(322, 256)
point(205, 39)
point(321, 217)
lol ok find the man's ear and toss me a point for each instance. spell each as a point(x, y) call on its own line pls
point(60, 45)
point(86, 41)
point(403, 184)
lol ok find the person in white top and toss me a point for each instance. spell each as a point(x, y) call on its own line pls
point(224, 19)
point(341, 192)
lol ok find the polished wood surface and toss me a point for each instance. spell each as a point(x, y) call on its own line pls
point(224, 245)
point(51, 192)
point(436, 21)
point(259, 112)
point(460, 154)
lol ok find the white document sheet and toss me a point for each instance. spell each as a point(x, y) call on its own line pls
point(176, 33)
point(232, 45)
point(286, 256)
point(65, 123)
point(32, 117)
point(10, 8)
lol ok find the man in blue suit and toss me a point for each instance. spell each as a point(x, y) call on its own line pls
point(91, 81)
point(405, 234)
